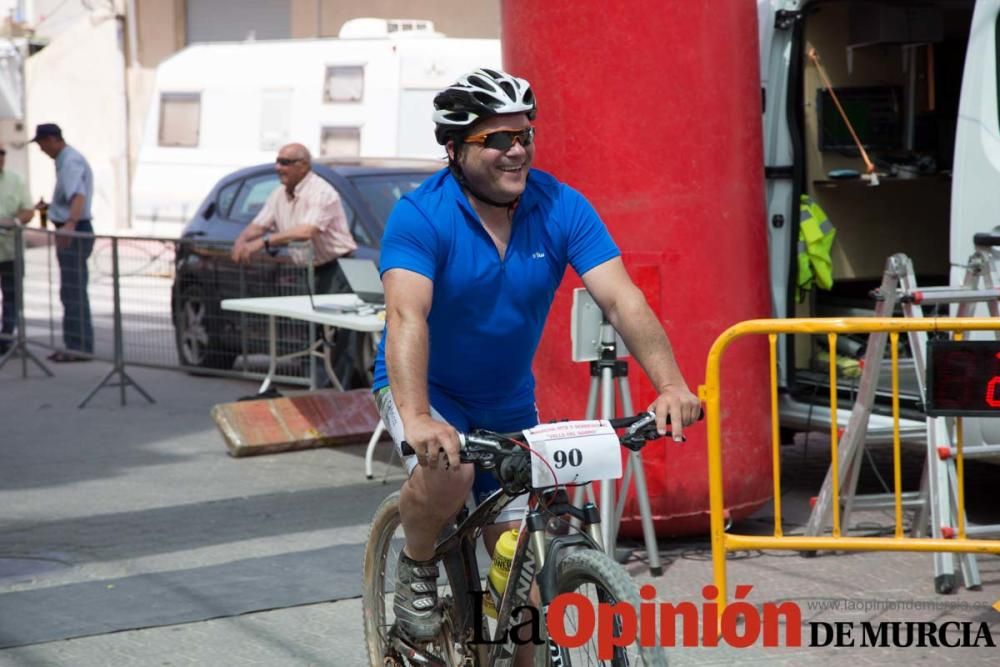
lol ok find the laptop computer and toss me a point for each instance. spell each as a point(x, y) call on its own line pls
point(363, 279)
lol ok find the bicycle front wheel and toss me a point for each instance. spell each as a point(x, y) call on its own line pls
point(598, 578)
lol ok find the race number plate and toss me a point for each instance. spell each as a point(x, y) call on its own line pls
point(963, 378)
point(576, 451)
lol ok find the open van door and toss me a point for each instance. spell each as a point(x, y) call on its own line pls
point(975, 205)
point(777, 21)
point(897, 67)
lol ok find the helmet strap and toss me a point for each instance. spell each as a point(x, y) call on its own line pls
point(456, 171)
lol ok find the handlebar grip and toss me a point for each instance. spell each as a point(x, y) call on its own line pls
point(407, 450)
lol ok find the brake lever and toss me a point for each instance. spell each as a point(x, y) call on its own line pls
point(642, 431)
point(639, 432)
point(647, 418)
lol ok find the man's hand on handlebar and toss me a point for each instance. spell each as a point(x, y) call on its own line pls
point(680, 405)
point(429, 437)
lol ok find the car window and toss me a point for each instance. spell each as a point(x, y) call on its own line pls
point(225, 198)
point(252, 196)
point(358, 231)
point(382, 191)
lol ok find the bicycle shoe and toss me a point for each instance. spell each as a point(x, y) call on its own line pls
point(415, 602)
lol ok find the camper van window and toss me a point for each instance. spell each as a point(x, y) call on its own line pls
point(180, 119)
point(340, 142)
point(275, 118)
point(252, 197)
point(344, 84)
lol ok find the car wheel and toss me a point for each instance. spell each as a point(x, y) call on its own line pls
point(196, 325)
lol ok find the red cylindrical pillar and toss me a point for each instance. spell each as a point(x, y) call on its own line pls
point(651, 108)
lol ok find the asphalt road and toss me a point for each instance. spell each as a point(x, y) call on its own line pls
point(114, 514)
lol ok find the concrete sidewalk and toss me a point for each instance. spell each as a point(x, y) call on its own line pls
point(112, 499)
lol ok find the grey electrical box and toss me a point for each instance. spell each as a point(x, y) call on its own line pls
point(586, 319)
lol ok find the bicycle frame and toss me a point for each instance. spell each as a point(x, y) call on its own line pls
point(535, 559)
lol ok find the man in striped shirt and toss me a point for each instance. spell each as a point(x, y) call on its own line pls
point(305, 207)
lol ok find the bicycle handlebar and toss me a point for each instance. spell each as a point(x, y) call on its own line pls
point(640, 429)
point(511, 463)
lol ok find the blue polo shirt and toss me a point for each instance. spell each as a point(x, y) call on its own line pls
point(73, 177)
point(487, 314)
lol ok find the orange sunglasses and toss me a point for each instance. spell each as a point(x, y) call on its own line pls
point(502, 140)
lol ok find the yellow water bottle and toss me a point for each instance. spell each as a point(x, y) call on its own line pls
point(496, 580)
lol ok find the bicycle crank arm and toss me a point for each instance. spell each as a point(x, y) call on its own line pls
point(413, 656)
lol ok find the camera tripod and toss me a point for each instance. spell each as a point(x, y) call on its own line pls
point(604, 372)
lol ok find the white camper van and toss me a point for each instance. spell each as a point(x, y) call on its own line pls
point(221, 107)
point(918, 81)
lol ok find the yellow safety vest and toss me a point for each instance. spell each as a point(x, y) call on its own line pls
point(816, 235)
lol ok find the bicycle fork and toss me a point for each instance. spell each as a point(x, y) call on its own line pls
point(543, 564)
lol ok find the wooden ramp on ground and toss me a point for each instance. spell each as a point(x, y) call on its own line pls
point(315, 419)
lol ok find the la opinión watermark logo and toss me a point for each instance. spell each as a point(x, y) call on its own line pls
point(573, 620)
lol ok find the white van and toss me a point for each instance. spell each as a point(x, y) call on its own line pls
point(918, 80)
point(217, 108)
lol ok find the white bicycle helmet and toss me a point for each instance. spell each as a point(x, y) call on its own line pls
point(479, 94)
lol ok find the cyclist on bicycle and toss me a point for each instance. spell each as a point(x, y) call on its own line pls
point(470, 262)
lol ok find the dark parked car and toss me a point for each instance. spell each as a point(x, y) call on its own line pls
point(207, 336)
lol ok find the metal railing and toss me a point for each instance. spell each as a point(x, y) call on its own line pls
point(724, 542)
point(154, 302)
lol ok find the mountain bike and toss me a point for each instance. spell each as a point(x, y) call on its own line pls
point(553, 550)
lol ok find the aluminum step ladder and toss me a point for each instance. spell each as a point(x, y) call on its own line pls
point(936, 503)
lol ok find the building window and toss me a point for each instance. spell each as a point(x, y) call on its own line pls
point(180, 119)
point(344, 84)
point(340, 142)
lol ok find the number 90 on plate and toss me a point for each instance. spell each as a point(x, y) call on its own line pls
point(577, 452)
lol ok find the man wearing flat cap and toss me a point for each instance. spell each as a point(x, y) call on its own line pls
point(70, 213)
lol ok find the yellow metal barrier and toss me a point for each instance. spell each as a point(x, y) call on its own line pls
point(723, 542)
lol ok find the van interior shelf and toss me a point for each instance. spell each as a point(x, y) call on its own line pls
point(882, 180)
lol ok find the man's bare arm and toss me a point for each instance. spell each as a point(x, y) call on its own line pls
point(75, 211)
point(303, 232)
point(408, 297)
point(408, 300)
point(625, 307)
point(25, 215)
point(250, 240)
